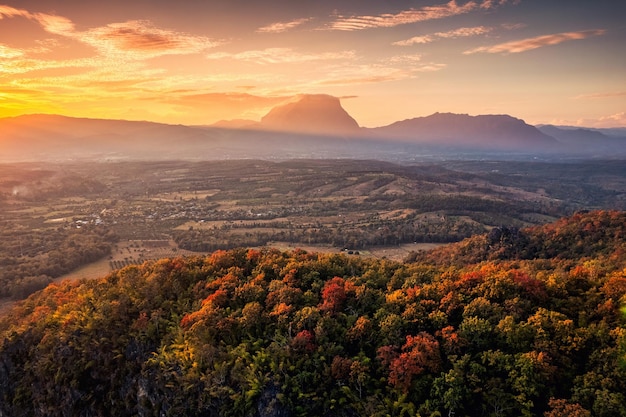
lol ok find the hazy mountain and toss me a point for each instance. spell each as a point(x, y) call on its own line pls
point(235, 124)
point(619, 132)
point(310, 126)
point(316, 114)
point(54, 137)
point(612, 131)
point(587, 140)
point(495, 132)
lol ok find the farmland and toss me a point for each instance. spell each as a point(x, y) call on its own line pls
point(68, 219)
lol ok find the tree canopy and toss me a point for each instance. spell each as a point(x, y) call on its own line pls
point(514, 323)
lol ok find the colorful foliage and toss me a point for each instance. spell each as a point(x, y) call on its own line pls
point(269, 333)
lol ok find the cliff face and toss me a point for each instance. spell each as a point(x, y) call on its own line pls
point(316, 114)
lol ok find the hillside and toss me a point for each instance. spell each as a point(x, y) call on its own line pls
point(584, 235)
point(269, 333)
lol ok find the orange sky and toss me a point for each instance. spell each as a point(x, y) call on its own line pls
point(197, 62)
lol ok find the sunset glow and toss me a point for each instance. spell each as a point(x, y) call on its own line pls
point(198, 62)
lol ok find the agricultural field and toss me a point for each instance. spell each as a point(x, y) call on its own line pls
point(87, 219)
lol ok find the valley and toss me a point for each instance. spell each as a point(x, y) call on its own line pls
point(73, 219)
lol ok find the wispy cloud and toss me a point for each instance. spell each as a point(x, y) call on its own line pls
point(422, 14)
point(7, 52)
point(137, 39)
point(403, 59)
point(452, 34)
point(430, 67)
point(373, 73)
point(50, 23)
point(231, 100)
point(528, 44)
point(8, 11)
point(413, 62)
point(282, 26)
point(368, 79)
point(615, 120)
point(141, 37)
point(281, 56)
point(601, 95)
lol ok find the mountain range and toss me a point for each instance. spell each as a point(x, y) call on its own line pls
point(306, 126)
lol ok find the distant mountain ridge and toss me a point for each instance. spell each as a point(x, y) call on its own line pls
point(502, 132)
point(587, 140)
point(308, 126)
point(44, 136)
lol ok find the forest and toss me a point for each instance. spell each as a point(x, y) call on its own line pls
point(512, 322)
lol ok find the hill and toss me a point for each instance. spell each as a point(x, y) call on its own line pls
point(269, 333)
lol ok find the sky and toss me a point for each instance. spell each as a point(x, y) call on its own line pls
point(196, 62)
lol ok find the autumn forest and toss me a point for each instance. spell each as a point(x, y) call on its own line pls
point(514, 322)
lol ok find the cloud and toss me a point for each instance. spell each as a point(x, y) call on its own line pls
point(10, 92)
point(231, 100)
point(281, 56)
point(56, 25)
point(601, 95)
point(8, 11)
point(141, 37)
point(432, 67)
point(282, 26)
point(402, 59)
point(528, 44)
point(26, 65)
point(221, 105)
point(616, 120)
point(137, 39)
point(452, 34)
point(464, 32)
point(415, 40)
point(371, 79)
point(364, 74)
point(413, 62)
point(513, 26)
point(50, 23)
point(488, 4)
point(7, 52)
point(412, 15)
